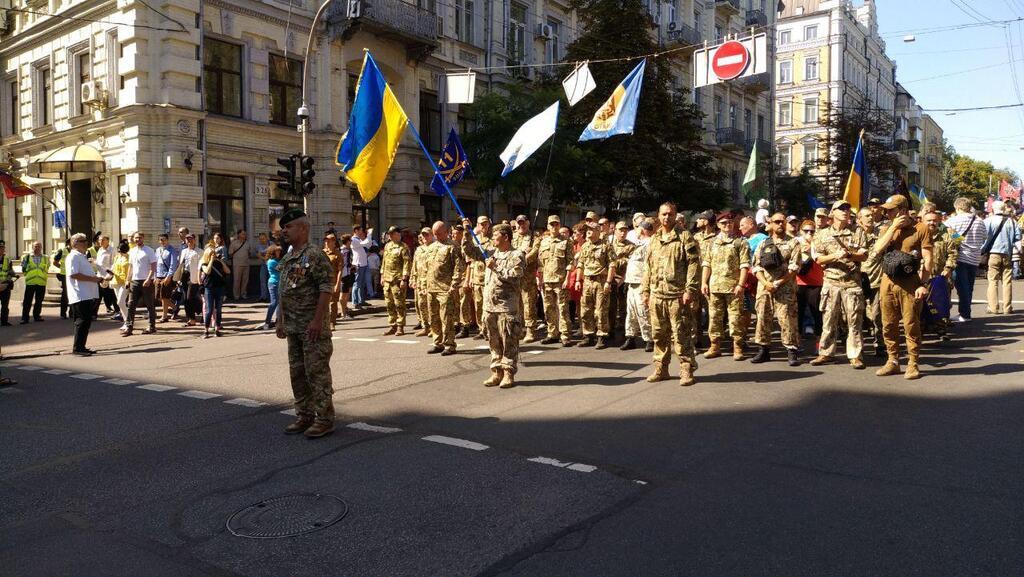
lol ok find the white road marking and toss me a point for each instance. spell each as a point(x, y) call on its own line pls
point(373, 428)
point(402, 342)
point(86, 376)
point(245, 402)
point(30, 368)
point(639, 482)
point(203, 395)
point(582, 468)
point(534, 352)
point(157, 388)
point(9, 365)
point(456, 442)
point(363, 340)
point(121, 382)
point(482, 348)
point(549, 461)
point(56, 372)
point(11, 390)
point(978, 302)
point(289, 412)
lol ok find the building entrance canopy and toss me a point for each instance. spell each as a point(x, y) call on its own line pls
point(78, 158)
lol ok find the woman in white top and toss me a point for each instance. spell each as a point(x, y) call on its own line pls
point(189, 279)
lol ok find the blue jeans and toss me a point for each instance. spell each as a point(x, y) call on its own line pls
point(214, 301)
point(272, 307)
point(264, 275)
point(359, 293)
point(963, 280)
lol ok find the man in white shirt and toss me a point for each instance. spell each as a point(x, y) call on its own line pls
point(83, 292)
point(971, 229)
point(360, 242)
point(141, 276)
point(633, 235)
point(105, 260)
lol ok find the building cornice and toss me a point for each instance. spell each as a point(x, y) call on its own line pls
point(57, 23)
point(301, 20)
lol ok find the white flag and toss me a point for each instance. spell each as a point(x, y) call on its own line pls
point(578, 84)
point(530, 136)
point(461, 87)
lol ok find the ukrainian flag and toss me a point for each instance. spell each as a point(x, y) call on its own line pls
point(375, 128)
point(858, 176)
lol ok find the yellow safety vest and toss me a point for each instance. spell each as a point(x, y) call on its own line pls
point(35, 275)
point(5, 269)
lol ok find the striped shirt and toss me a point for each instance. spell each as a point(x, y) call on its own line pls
point(974, 239)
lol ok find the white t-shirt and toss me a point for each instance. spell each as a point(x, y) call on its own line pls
point(141, 260)
point(104, 259)
point(761, 216)
point(190, 260)
point(80, 290)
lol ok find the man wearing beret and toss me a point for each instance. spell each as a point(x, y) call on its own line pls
point(395, 269)
point(306, 287)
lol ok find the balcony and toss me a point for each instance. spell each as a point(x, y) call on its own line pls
point(901, 136)
point(934, 160)
point(730, 138)
point(757, 18)
point(914, 138)
point(682, 35)
point(764, 148)
point(913, 167)
point(728, 6)
point(755, 84)
point(394, 20)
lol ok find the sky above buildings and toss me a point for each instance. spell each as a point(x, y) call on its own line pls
point(962, 68)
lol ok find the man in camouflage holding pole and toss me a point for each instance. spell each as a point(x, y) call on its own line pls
point(418, 278)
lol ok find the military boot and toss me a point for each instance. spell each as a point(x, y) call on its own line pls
point(530, 336)
point(549, 340)
point(435, 349)
point(660, 373)
point(892, 367)
point(714, 351)
point(391, 330)
point(300, 424)
point(686, 375)
point(602, 342)
point(649, 347)
point(737, 350)
point(400, 332)
point(794, 360)
point(912, 373)
point(319, 429)
point(507, 381)
point(628, 344)
point(463, 332)
point(588, 341)
point(822, 360)
point(495, 378)
point(422, 332)
point(568, 343)
point(763, 354)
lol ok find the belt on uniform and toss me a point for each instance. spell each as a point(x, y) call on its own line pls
point(596, 277)
point(634, 285)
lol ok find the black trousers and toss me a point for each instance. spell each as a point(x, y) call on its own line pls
point(109, 299)
point(33, 292)
point(137, 292)
point(193, 308)
point(5, 305)
point(63, 295)
point(83, 312)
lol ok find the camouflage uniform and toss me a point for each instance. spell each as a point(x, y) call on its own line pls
point(305, 274)
point(672, 270)
point(529, 246)
point(395, 267)
point(841, 293)
point(594, 259)
point(871, 280)
point(699, 305)
point(617, 298)
point(781, 304)
point(555, 256)
point(944, 254)
point(418, 281)
point(502, 296)
point(726, 257)
point(445, 267)
point(475, 271)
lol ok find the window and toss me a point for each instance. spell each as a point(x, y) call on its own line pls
point(718, 112)
point(810, 32)
point(12, 111)
point(748, 121)
point(517, 34)
point(431, 204)
point(430, 120)
point(697, 25)
point(82, 73)
point(760, 126)
point(810, 154)
point(718, 33)
point(732, 116)
point(785, 151)
point(554, 51)
point(786, 72)
point(222, 75)
point(811, 110)
point(225, 204)
point(811, 68)
point(115, 82)
point(43, 96)
point(464, 20)
point(785, 113)
point(285, 89)
point(122, 182)
point(785, 37)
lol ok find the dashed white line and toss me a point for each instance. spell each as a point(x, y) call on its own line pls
point(482, 348)
point(363, 340)
point(203, 395)
point(582, 468)
point(56, 372)
point(30, 368)
point(534, 352)
point(120, 382)
point(564, 464)
point(373, 428)
point(85, 376)
point(289, 412)
point(157, 388)
point(245, 402)
point(402, 342)
point(456, 442)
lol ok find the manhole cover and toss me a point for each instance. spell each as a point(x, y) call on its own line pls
point(287, 516)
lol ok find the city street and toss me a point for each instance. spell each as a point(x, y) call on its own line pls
point(131, 462)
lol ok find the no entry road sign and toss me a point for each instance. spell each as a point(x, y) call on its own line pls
point(730, 60)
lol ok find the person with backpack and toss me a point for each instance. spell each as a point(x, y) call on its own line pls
point(972, 234)
point(1003, 233)
point(775, 263)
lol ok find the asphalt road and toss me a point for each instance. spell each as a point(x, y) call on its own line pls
point(133, 461)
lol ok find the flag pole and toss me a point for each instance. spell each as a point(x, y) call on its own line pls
point(444, 183)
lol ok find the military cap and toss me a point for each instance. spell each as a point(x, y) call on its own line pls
point(591, 215)
point(522, 217)
point(395, 229)
point(425, 230)
point(482, 219)
point(290, 215)
point(724, 215)
point(874, 201)
point(706, 215)
point(458, 226)
point(895, 201)
point(792, 217)
point(621, 224)
point(821, 211)
point(839, 204)
point(552, 219)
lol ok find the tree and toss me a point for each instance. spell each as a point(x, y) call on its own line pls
point(792, 192)
point(966, 176)
point(844, 126)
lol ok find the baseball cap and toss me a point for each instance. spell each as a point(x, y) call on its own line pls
point(637, 215)
point(821, 212)
point(554, 219)
point(791, 218)
point(874, 201)
point(522, 217)
point(395, 229)
point(425, 230)
point(482, 218)
point(839, 204)
point(458, 226)
point(706, 215)
point(895, 201)
point(591, 215)
point(621, 225)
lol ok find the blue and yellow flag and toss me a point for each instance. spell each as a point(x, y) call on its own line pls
point(618, 114)
point(858, 176)
point(452, 166)
point(375, 127)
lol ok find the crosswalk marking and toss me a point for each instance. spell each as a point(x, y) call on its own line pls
point(157, 388)
point(245, 402)
point(85, 376)
point(456, 442)
point(56, 372)
point(121, 382)
point(202, 395)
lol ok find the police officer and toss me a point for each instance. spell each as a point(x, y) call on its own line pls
point(904, 287)
point(503, 314)
point(7, 278)
point(837, 251)
point(476, 272)
point(555, 257)
point(524, 241)
point(395, 269)
point(775, 263)
point(725, 266)
point(418, 278)
point(595, 281)
point(621, 249)
point(306, 287)
point(35, 267)
point(446, 266)
point(668, 286)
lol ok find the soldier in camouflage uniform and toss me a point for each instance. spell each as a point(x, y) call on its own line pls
point(555, 257)
point(445, 268)
point(476, 270)
point(503, 313)
point(418, 278)
point(725, 266)
point(306, 288)
point(621, 249)
point(595, 281)
point(466, 322)
point(945, 250)
point(706, 231)
point(395, 270)
point(870, 275)
point(837, 251)
point(524, 241)
point(775, 263)
point(669, 285)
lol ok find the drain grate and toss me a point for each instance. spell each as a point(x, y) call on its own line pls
point(287, 516)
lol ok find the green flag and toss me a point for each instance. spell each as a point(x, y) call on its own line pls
point(753, 185)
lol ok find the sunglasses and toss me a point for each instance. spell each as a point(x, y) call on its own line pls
point(809, 230)
point(778, 222)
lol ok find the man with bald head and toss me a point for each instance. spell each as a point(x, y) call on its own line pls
point(445, 267)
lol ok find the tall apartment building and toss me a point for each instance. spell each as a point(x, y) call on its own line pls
point(830, 56)
point(918, 141)
point(931, 155)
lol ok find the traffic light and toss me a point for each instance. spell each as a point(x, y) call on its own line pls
point(308, 186)
point(290, 164)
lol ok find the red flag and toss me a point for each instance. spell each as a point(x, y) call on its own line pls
point(13, 186)
point(1008, 192)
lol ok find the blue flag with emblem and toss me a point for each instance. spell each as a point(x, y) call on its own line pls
point(452, 166)
point(814, 202)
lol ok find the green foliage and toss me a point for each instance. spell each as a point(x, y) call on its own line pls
point(966, 176)
point(844, 126)
point(792, 192)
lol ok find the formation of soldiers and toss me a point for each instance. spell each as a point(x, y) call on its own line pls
point(657, 281)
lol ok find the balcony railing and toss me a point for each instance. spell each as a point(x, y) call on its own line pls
point(415, 27)
point(764, 147)
point(730, 137)
point(755, 83)
point(683, 35)
point(756, 18)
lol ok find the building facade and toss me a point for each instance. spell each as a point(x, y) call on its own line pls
point(932, 156)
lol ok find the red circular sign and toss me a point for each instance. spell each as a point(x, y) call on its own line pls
point(730, 60)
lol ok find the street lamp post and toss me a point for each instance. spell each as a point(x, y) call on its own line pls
point(303, 111)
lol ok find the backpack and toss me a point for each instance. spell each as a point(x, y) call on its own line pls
point(771, 256)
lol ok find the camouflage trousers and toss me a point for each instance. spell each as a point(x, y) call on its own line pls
point(698, 306)
point(478, 308)
point(617, 308)
point(442, 319)
point(846, 303)
point(638, 322)
point(394, 295)
point(720, 304)
point(465, 308)
point(769, 309)
point(594, 308)
point(873, 313)
point(503, 333)
point(900, 307)
point(670, 328)
point(309, 366)
point(528, 296)
point(556, 311)
point(422, 300)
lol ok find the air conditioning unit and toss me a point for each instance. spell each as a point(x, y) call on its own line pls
point(544, 31)
point(672, 26)
point(92, 93)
